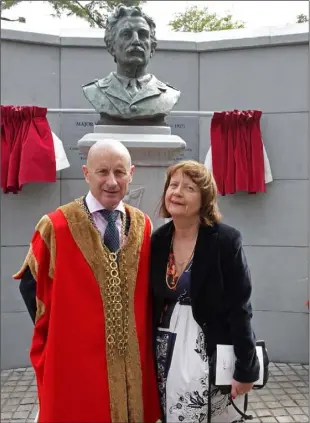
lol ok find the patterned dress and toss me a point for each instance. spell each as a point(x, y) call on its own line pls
point(182, 363)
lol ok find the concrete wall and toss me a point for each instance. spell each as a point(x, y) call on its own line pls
point(234, 69)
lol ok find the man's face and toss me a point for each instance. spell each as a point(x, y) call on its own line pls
point(132, 43)
point(108, 175)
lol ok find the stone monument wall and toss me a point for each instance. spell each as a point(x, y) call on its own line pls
point(238, 69)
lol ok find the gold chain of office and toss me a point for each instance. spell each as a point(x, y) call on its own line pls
point(116, 296)
point(117, 319)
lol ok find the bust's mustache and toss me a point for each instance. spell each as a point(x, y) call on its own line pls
point(132, 49)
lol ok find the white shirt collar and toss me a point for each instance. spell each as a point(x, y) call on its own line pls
point(94, 205)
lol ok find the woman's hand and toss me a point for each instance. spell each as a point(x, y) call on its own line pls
point(239, 388)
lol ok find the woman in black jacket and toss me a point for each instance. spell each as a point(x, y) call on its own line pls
point(201, 293)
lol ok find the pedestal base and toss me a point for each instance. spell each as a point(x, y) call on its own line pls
point(148, 146)
point(126, 129)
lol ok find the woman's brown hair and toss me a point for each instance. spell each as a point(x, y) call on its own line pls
point(203, 178)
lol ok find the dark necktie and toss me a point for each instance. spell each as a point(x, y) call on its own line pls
point(111, 235)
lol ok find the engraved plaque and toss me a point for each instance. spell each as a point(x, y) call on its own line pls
point(74, 126)
point(188, 129)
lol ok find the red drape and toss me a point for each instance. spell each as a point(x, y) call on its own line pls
point(27, 149)
point(237, 152)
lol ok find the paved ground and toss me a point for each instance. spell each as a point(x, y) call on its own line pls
point(284, 400)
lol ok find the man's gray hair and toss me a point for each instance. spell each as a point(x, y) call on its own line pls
point(120, 12)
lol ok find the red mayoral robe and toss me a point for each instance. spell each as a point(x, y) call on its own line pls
point(78, 381)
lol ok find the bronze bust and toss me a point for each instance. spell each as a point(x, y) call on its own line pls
point(131, 95)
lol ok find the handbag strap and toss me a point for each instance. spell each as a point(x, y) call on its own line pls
point(242, 413)
point(245, 406)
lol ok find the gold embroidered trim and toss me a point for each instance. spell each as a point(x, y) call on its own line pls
point(132, 358)
point(30, 261)
point(125, 400)
point(40, 309)
point(46, 229)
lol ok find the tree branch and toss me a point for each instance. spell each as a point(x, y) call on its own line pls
point(91, 17)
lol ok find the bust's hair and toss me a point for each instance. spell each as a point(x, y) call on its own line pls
point(203, 178)
point(121, 12)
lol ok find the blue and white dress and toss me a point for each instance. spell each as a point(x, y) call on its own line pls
point(182, 363)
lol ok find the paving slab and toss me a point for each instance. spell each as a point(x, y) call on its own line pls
point(285, 399)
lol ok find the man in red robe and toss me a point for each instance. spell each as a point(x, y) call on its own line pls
point(85, 283)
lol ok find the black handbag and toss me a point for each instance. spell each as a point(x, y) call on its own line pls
point(226, 389)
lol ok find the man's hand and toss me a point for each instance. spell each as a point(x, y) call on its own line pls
point(238, 388)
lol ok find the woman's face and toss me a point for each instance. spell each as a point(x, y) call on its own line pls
point(183, 198)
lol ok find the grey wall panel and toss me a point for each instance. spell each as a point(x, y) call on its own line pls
point(286, 141)
point(268, 219)
point(30, 74)
point(204, 137)
point(180, 69)
point(72, 128)
point(72, 189)
point(20, 213)
point(286, 335)
point(279, 277)
point(11, 261)
point(271, 79)
point(16, 335)
point(54, 122)
point(188, 129)
point(79, 66)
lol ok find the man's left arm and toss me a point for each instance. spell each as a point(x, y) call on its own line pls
point(27, 288)
point(40, 263)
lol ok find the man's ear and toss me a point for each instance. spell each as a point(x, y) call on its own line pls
point(132, 168)
point(85, 173)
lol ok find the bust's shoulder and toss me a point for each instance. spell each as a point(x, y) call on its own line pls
point(90, 85)
point(165, 85)
point(106, 81)
point(98, 83)
point(171, 87)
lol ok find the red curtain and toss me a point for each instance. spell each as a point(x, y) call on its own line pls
point(237, 152)
point(27, 148)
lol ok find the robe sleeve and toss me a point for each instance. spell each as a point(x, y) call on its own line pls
point(40, 262)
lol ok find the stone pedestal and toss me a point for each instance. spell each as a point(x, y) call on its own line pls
point(152, 150)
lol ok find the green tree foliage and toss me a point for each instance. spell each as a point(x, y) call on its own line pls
point(199, 19)
point(94, 12)
point(302, 18)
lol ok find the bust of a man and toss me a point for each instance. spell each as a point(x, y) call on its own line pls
point(131, 95)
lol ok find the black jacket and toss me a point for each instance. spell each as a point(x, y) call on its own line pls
point(220, 291)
